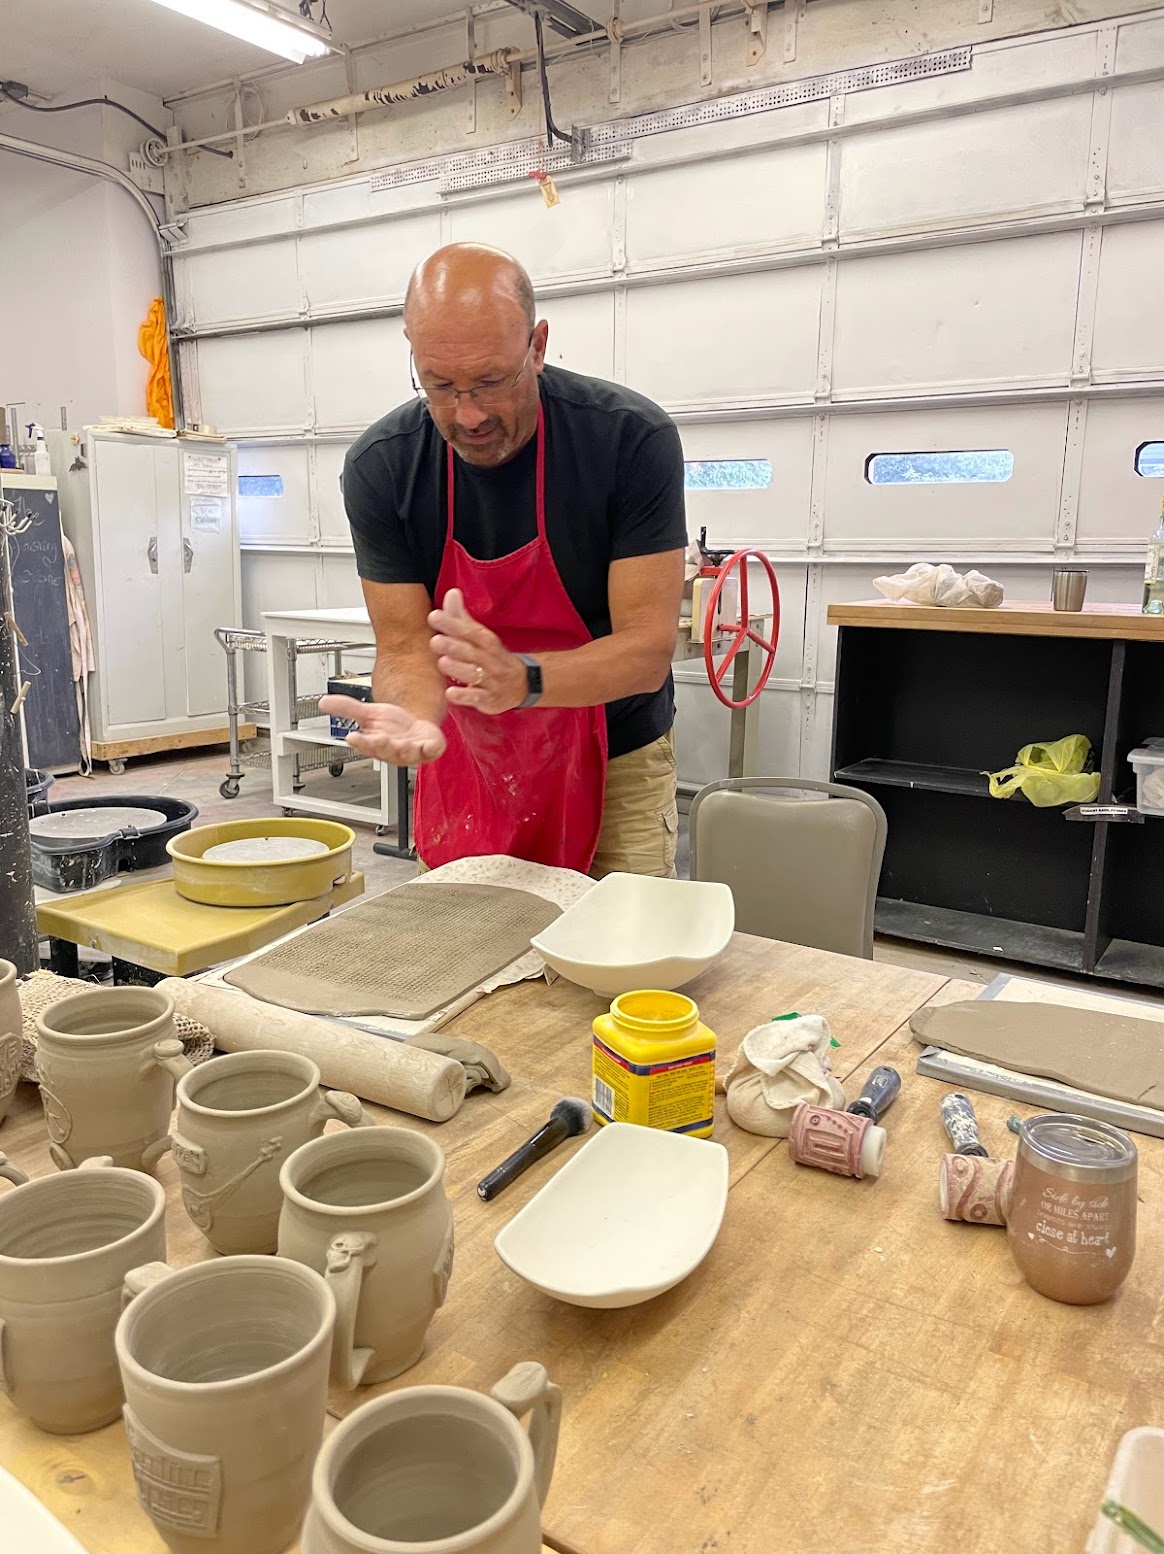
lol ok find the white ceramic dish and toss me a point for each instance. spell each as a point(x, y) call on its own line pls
point(1137, 1482)
point(27, 1526)
point(634, 1212)
point(634, 931)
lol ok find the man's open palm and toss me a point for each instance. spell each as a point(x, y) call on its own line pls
point(386, 732)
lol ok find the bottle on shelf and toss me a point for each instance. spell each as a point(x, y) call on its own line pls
point(37, 462)
point(1154, 571)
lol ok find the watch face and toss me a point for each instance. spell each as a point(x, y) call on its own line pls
point(533, 679)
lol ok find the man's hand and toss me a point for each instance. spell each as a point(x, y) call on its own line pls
point(491, 678)
point(385, 732)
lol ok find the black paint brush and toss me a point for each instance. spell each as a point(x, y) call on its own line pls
point(567, 1119)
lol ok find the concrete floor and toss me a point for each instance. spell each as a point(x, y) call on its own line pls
point(195, 777)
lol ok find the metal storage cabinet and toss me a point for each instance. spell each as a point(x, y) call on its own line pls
point(154, 524)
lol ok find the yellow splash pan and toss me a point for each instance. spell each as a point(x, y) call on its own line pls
point(233, 884)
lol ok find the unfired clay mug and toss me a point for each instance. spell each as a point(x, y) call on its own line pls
point(66, 1245)
point(11, 1035)
point(438, 1468)
point(239, 1117)
point(107, 1060)
point(225, 1372)
point(367, 1209)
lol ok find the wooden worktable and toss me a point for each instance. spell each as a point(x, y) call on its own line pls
point(1014, 617)
point(843, 1366)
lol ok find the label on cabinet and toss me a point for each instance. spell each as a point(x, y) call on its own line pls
point(206, 513)
point(206, 474)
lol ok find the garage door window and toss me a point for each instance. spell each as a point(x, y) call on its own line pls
point(727, 474)
point(1150, 459)
point(260, 485)
point(988, 466)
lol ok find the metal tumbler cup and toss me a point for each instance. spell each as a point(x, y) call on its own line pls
point(1068, 587)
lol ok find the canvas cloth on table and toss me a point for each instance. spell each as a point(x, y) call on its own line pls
point(925, 583)
point(44, 988)
point(777, 1067)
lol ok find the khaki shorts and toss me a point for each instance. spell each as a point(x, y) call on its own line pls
point(640, 824)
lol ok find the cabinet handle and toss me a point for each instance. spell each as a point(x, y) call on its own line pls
point(152, 553)
point(187, 554)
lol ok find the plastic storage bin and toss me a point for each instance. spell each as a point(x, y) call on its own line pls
point(1148, 762)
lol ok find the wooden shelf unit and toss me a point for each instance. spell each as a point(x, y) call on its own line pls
point(928, 700)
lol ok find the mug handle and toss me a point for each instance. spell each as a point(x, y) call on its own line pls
point(348, 1258)
point(140, 1279)
point(170, 1055)
point(96, 1163)
point(155, 1151)
point(12, 1173)
point(526, 1387)
point(341, 1105)
point(5, 1379)
point(443, 1268)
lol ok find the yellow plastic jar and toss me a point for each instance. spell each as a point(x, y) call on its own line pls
point(654, 1064)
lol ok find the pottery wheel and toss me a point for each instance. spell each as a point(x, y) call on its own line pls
point(91, 825)
point(265, 849)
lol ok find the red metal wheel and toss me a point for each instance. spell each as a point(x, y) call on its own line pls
point(742, 628)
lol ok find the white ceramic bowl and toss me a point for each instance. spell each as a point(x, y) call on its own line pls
point(28, 1526)
point(634, 931)
point(630, 1215)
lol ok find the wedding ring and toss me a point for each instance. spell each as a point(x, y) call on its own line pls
point(478, 675)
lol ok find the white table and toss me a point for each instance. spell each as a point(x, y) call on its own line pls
point(291, 737)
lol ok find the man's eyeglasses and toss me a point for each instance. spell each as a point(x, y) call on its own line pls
point(493, 391)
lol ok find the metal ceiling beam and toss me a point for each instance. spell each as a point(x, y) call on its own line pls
point(562, 17)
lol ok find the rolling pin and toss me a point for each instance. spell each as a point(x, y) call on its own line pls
point(376, 1068)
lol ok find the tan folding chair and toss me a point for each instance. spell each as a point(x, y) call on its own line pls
point(802, 870)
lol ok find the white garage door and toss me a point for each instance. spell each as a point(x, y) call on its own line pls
point(973, 297)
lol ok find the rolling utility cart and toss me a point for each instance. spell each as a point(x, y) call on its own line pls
point(234, 640)
point(296, 734)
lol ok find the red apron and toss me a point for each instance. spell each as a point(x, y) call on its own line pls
point(530, 783)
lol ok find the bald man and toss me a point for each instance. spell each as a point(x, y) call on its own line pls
point(541, 513)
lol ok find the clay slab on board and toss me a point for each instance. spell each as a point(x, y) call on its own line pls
point(1108, 1054)
point(406, 953)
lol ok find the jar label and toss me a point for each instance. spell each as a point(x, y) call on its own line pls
point(678, 1096)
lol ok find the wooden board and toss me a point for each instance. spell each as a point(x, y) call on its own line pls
point(1020, 617)
point(603, 1359)
point(187, 739)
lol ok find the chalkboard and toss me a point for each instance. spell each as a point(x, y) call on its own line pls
point(42, 613)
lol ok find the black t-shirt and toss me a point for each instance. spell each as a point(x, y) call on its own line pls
point(614, 488)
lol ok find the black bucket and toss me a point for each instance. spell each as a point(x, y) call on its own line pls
point(36, 786)
point(65, 866)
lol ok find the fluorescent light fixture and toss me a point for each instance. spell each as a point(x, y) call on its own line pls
point(265, 25)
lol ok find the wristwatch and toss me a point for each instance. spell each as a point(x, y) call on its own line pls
point(533, 681)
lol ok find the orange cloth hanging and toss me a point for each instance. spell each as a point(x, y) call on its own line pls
point(151, 342)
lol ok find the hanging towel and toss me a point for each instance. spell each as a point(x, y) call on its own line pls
point(153, 345)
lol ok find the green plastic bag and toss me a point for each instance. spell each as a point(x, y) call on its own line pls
point(1049, 774)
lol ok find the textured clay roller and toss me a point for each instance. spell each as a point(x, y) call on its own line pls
point(835, 1141)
